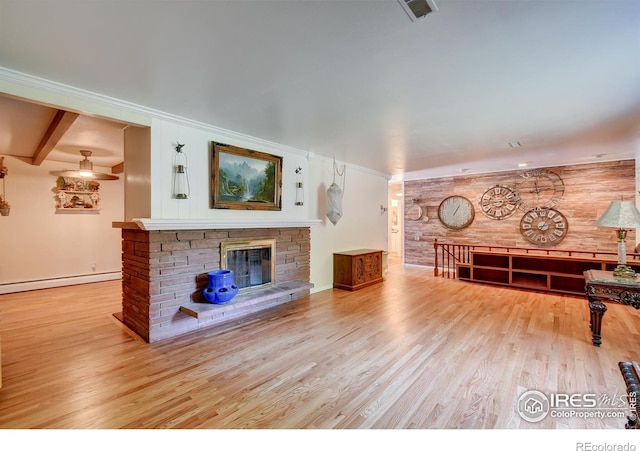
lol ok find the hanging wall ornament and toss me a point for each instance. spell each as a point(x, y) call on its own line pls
point(334, 196)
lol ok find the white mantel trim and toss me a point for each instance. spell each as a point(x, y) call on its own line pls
point(199, 224)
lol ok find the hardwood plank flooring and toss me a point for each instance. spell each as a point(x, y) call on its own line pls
point(413, 352)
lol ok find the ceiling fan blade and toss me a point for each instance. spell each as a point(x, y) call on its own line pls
point(103, 176)
point(78, 174)
point(86, 170)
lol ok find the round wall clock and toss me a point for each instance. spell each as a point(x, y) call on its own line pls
point(456, 212)
point(544, 226)
point(539, 188)
point(499, 202)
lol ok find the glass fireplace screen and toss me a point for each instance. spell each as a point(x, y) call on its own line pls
point(252, 262)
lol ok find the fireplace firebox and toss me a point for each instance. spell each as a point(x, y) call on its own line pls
point(252, 262)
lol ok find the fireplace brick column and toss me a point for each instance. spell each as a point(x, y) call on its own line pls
point(162, 270)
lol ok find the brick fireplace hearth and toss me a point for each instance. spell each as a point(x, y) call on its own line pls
point(164, 270)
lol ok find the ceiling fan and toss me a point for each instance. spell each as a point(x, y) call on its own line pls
point(86, 170)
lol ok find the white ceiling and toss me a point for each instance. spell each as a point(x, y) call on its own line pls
point(353, 80)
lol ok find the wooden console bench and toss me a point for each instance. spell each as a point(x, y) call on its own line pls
point(552, 273)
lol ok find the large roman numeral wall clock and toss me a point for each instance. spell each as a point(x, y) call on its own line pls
point(499, 202)
point(544, 226)
point(539, 188)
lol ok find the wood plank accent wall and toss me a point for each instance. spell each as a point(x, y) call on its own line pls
point(589, 189)
point(162, 270)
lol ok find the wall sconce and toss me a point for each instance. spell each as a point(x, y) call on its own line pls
point(621, 216)
point(181, 188)
point(299, 187)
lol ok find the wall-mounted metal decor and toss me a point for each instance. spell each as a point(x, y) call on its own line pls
point(499, 202)
point(544, 226)
point(539, 188)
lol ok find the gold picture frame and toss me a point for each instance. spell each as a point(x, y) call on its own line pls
point(244, 179)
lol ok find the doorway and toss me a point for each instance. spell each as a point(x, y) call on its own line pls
point(396, 209)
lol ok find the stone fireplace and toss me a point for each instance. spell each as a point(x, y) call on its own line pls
point(165, 271)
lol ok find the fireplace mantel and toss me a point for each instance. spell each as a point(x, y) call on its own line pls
point(211, 224)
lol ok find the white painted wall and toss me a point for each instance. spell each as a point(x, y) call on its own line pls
point(361, 226)
point(197, 146)
point(37, 243)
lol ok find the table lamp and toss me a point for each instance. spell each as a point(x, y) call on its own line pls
point(621, 215)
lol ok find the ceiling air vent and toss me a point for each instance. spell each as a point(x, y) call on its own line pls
point(417, 9)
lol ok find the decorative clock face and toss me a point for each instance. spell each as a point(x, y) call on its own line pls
point(499, 202)
point(544, 226)
point(539, 188)
point(456, 212)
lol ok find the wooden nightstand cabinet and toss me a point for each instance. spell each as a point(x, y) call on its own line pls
point(357, 269)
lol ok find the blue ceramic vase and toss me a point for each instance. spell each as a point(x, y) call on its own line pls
point(221, 287)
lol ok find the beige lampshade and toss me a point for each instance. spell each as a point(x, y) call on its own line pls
point(620, 215)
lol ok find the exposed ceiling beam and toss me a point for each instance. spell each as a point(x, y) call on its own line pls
point(57, 128)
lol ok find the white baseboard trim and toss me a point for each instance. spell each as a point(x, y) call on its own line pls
point(17, 287)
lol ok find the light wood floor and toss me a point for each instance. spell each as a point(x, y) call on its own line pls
point(413, 352)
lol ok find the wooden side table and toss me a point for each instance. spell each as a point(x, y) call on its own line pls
point(356, 269)
point(602, 286)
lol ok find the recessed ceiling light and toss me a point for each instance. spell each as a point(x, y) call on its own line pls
point(464, 169)
point(522, 165)
point(599, 155)
point(515, 144)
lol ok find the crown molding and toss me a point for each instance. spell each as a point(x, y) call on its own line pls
point(313, 156)
point(59, 95)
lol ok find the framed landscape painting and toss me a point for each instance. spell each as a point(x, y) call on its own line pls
point(243, 179)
